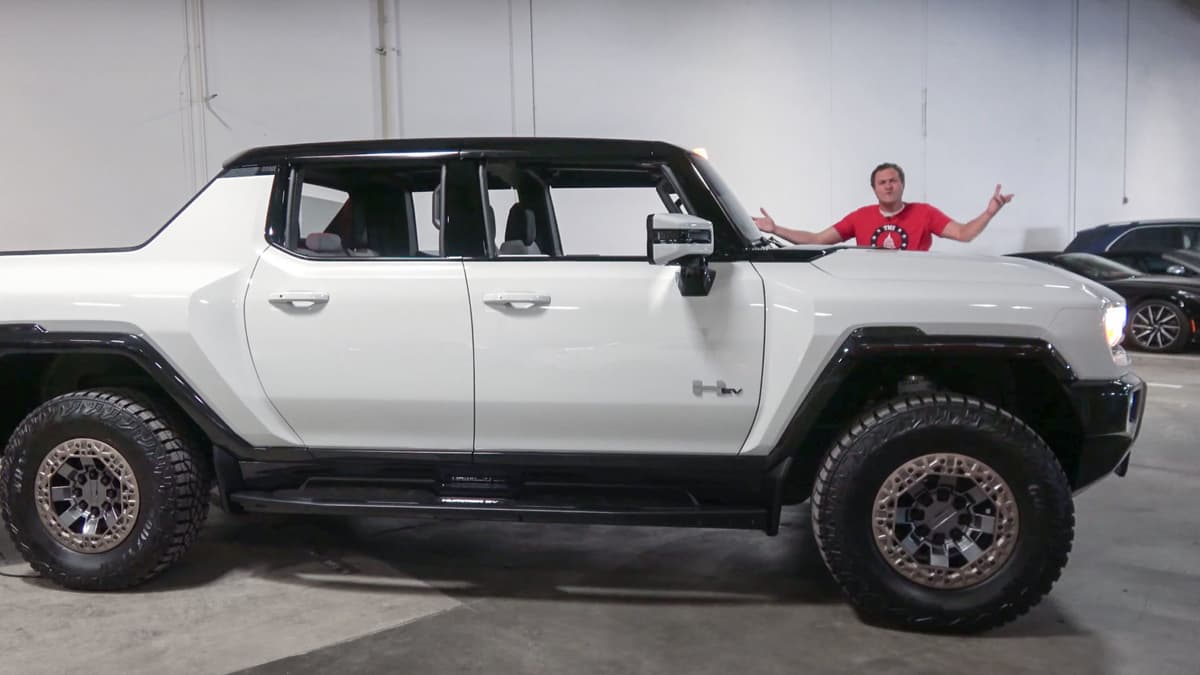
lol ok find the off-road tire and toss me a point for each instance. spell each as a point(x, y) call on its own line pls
point(172, 489)
point(883, 440)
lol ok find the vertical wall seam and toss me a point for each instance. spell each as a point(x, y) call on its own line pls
point(925, 100)
point(381, 51)
point(187, 123)
point(512, 69)
point(205, 96)
point(532, 72)
point(1073, 127)
point(398, 79)
point(831, 217)
point(1125, 116)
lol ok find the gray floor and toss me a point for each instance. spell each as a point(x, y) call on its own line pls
point(279, 595)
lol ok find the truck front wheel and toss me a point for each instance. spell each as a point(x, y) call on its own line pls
point(942, 512)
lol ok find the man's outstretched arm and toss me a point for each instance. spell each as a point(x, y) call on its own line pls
point(767, 224)
point(969, 230)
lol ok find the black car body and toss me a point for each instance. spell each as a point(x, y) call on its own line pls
point(1163, 308)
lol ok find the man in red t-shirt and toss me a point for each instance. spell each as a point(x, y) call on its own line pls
point(892, 223)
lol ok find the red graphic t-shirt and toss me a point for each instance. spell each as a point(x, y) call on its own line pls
point(913, 228)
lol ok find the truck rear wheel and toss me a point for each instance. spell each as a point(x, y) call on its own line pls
point(942, 512)
point(99, 493)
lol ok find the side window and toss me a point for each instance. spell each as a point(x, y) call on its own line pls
point(1156, 238)
point(1153, 264)
point(608, 221)
point(577, 210)
point(365, 211)
point(1191, 238)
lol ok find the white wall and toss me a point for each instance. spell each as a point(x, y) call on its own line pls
point(116, 113)
point(1153, 171)
point(287, 72)
point(93, 123)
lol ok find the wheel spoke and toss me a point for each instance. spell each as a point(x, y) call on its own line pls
point(970, 551)
point(939, 556)
point(61, 493)
point(68, 517)
point(985, 524)
point(90, 523)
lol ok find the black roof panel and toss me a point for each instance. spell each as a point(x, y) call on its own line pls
point(497, 146)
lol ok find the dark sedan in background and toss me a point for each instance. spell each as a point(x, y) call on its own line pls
point(1163, 309)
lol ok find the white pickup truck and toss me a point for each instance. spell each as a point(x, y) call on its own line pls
point(575, 330)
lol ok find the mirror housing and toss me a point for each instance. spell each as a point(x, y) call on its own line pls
point(675, 236)
point(688, 240)
point(1179, 270)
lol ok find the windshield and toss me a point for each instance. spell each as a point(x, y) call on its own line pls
point(728, 200)
point(1095, 267)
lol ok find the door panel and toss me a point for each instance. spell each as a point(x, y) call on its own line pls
point(372, 354)
point(602, 356)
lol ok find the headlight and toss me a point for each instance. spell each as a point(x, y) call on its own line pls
point(1114, 324)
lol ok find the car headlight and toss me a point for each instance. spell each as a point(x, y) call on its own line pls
point(1114, 324)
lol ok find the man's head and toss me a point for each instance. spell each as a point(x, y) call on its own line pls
point(888, 182)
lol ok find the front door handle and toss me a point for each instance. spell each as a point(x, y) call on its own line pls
point(517, 300)
point(299, 298)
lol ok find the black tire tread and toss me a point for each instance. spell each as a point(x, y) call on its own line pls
point(189, 493)
point(878, 423)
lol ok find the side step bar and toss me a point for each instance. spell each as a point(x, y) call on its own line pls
point(508, 509)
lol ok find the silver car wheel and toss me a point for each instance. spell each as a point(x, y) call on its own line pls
point(946, 521)
point(87, 496)
point(1155, 326)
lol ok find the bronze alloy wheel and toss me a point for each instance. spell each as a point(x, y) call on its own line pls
point(87, 495)
point(946, 521)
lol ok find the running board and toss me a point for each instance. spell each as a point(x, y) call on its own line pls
point(465, 507)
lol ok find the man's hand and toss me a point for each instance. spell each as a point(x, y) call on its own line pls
point(767, 223)
point(996, 203)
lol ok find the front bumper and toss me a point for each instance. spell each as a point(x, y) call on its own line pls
point(1110, 412)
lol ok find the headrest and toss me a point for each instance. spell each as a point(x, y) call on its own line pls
point(323, 241)
point(520, 226)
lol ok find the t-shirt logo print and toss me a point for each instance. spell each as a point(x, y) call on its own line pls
point(889, 235)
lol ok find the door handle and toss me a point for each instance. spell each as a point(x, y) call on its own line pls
point(299, 298)
point(517, 300)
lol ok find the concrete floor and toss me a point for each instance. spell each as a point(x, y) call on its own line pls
point(286, 595)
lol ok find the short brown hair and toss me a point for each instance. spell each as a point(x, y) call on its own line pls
point(887, 165)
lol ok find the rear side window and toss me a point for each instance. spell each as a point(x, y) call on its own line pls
point(365, 211)
point(1153, 238)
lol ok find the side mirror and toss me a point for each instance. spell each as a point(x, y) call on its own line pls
point(1177, 269)
point(688, 240)
point(674, 236)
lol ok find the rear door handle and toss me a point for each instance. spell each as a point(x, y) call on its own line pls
point(517, 300)
point(299, 298)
